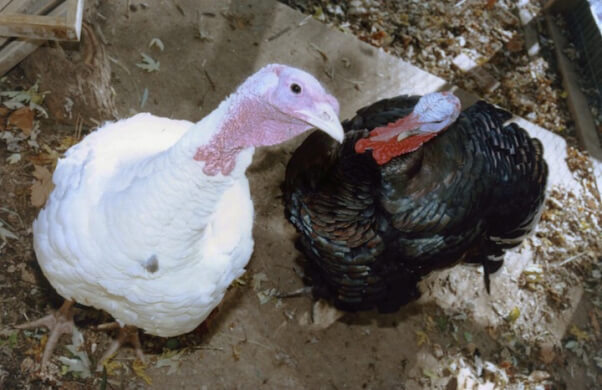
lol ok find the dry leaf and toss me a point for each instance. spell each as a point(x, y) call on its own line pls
point(235, 352)
point(5, 234)
point(148, 63)
point(170, 359)
point(139, 369)
point(515, 44)
point(157, 42)
point(111, 366)
point(43, 159)
point(380, 38)
point(324, 314)
point(79, 363)
point(238, 22)
point(513, 315)
point(266, 295)
point(421, 338)
point(49, 157)
point(27, 276)
point(42, 186)
point(22, 119)
point(579, 334)
point(257, 279)
point(547, 353)
point(37, 349)
point(14, 158)
point(67, 142)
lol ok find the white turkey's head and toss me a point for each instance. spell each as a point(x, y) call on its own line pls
point(433, 113)
point(287, 102)
point(273, 105)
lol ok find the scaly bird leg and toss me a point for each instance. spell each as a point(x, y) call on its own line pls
point(490, 267)
point(127, 335)
point(59, 323)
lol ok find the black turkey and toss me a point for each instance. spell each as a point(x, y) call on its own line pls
point(401, 197)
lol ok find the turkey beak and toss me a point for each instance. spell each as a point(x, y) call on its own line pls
point(324, 116)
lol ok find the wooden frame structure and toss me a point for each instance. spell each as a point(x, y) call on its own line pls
point(33, 22)
point(585, 125)
point(24, 19)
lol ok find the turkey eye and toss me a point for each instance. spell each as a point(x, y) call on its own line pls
point(295, 88)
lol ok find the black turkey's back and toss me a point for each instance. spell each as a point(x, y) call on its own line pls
point(477, 169)
point(370, 232)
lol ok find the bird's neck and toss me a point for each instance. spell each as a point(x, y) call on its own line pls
point(218, 139)
point(175, 189)
point(219, 153)
point(213, 144)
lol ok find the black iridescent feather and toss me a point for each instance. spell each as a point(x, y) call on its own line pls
point(370, 232)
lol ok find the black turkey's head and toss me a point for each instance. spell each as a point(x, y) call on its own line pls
point(432, 114)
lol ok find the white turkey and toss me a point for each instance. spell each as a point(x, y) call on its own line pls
point(151, 218)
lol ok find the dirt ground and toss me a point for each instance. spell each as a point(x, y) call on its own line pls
point(539, 329)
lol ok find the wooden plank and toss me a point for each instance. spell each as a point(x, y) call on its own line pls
point(5, 3)
point(16, 50)
point(32, 7)
point(75, 16)
point(577, 102)
point(35, 27)
point(26, 6)
point(65, 26)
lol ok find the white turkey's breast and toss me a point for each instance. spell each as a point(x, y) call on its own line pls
point(154, 245)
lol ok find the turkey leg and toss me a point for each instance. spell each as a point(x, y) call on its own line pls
point(127, 335)
point(59, 323)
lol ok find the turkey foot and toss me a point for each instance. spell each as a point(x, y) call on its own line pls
point(127, 334)
point(59, 323)
point(490, 267)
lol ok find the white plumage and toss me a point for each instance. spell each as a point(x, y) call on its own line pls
point(151, 218)
point(97, 252)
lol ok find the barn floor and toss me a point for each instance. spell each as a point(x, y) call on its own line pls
point(538, 329)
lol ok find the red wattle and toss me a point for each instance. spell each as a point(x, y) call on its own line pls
point(383, 152)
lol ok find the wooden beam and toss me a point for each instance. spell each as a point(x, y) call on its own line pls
point(16, 50)
point(75, 15)
point(4, 4)
point(31, 7)
point(577, 102)
point(65, 26)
